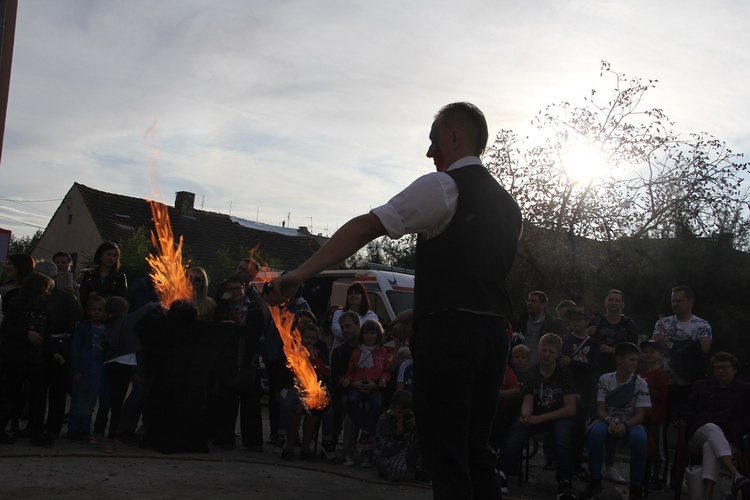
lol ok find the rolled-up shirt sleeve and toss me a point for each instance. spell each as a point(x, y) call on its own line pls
point(426, 206)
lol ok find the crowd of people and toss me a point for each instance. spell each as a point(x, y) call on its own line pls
point(577, 378)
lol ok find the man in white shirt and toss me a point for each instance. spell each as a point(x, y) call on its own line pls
point(459, 346)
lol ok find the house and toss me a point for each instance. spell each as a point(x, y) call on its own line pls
point(87, 217)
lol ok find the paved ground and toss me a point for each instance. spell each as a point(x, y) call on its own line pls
point(82, 471)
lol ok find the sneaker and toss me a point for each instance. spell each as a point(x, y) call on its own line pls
point(582, 475)
point(129, 438)
point(329, 451)
point(365, 463)
point(287, 454)
point(739, 481)
point(655, 486)
point(565, 491)
point(635, 493)
point(348, 461)
point(108, 447)
point(279, 444)
point(307, 456)
point(366, 442)
point(503, 482)
point(97, 439)
point(609, 473)
point(592, 492)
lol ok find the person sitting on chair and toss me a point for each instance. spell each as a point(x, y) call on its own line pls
point(717, 414)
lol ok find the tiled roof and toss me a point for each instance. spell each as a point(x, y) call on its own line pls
point(117, 216)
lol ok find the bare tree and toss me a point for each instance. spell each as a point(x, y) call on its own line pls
point(651, 183)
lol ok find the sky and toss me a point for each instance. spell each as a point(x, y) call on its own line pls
point(315, 112)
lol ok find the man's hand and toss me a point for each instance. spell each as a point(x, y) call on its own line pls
point(282, 289)
point(34, 337)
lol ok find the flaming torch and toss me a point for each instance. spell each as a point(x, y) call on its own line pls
point(167, 271)
point(312, 392)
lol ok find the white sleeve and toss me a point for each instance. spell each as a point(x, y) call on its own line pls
point(338, 337)
point(426, 206)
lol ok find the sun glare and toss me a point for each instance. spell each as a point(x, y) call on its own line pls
point(583, 162)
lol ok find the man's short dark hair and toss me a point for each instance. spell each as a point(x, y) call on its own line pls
point(467, 118)
point(540, 295)
point(625, 348)
point(686, 290)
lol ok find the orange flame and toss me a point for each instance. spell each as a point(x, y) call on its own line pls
point(311, 390)
point(167, 271)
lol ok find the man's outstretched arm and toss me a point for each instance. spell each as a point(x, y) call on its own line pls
point(345, 242)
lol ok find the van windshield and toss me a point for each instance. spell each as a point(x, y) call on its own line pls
point(400, 301)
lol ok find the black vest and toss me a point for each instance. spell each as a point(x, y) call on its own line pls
point(465, 266)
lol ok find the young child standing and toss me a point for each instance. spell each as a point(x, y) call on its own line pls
point(292, 409)
point(86, 361)
point(366, 378)
point(658, 388)
point(622, 403)
point(121, 343)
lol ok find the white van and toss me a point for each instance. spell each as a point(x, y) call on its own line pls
point(390, 291)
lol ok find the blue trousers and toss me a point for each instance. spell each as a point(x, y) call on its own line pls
point(562, 431)
point(637, 441)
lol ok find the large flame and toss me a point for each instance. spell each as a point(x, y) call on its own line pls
point(312, 392)
point(167, 270)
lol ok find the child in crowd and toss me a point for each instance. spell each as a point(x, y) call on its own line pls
point(580, 353)
point(396, 449)
point(658, 389)
point(121, 344)
point(622, 402)
point(508, 408)
point(405, 370)
point(549, 403)
point(86, 364)
point(366, 378)
point(292, 409)
point(520, 358)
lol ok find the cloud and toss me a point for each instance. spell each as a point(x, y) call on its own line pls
point(322, 109)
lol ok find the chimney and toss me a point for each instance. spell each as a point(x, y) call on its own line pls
point(303, 230)
point(184, 202)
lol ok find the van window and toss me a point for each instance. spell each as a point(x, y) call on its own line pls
point(400, 301)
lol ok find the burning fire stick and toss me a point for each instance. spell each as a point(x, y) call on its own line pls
point(167, 271)
point(312, 393)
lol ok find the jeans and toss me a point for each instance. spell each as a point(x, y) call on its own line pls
point(562, 431)
point(369, 419)
point(637, 441)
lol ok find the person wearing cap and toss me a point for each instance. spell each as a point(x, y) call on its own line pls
point(658, 389)
point(580, 353)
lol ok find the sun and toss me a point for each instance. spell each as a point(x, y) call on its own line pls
point(583, 162)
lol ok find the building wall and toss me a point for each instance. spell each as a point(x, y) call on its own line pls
point(72, 230)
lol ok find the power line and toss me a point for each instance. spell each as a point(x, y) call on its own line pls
point(30, 201)
point(20, 221)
